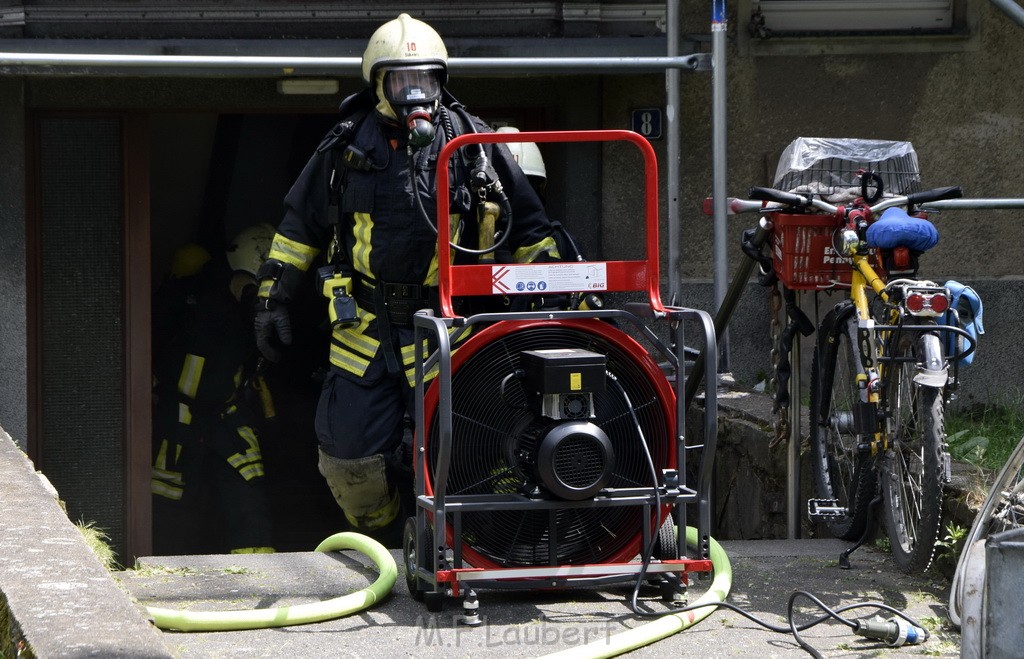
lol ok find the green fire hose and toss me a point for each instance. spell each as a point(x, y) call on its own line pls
point(195, 621)
point(667, 625)
point(204, 621)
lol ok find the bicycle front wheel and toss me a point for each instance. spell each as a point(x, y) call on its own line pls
point(841, 472)
point(913, 467)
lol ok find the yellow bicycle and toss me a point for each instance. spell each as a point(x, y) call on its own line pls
point(881, 372)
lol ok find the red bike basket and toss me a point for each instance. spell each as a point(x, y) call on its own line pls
point(803, 255)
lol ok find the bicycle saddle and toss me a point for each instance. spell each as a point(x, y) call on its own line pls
point(895, 228)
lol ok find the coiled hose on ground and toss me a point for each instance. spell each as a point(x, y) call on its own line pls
point(298, 614)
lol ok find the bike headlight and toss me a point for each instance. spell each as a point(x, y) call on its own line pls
point(849, 241)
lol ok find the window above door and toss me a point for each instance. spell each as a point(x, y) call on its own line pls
point(809, 27)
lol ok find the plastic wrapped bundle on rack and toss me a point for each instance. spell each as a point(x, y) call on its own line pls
point(831, 168)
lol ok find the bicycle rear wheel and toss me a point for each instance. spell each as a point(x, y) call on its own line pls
point(913, 467)
point(841, 472)
point(1002, 510)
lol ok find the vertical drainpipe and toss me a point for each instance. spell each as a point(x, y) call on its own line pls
point(673, 158)
point(718, 166)
point(1011, 9)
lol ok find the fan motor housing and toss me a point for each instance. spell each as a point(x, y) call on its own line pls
point(575, 459)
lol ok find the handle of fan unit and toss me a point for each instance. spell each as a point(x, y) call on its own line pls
point(298, 614)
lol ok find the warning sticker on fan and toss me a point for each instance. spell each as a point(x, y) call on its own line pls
point(549, 277)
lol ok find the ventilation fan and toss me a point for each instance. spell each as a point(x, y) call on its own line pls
point(522, 425)
point(553, 452)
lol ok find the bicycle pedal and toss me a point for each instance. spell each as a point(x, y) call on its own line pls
point(825, 508)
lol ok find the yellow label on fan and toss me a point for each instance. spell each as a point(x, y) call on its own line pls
point(575, 381)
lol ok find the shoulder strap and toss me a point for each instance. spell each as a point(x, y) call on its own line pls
point(334, 148)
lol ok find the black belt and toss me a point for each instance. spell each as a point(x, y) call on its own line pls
point(401, 301)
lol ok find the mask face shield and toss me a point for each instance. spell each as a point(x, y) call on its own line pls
point(413, 94)
point(407, 87)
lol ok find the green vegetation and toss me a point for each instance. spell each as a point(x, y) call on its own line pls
point(953, 542)
point(985, 435)
point(98, 541)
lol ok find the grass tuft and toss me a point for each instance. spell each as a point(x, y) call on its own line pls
point(98, 541)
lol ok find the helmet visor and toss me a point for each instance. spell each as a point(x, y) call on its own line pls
point(419, 86)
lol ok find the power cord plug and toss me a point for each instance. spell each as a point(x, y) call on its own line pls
point(894, 632)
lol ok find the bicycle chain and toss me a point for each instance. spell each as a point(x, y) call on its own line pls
point(780, 408)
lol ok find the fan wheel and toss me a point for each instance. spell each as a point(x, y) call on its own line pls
point(495, 444)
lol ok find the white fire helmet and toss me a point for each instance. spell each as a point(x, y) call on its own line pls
point(404, 42)
point(527, 154)
point(249, 249)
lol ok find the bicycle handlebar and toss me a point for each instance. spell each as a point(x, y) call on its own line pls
point(792, 200)
point(939, 199)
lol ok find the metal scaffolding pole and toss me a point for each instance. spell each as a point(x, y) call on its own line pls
point(278, 66)
point(719, 194)
point(672, 156)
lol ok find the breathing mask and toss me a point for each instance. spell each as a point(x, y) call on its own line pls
point(413, 93)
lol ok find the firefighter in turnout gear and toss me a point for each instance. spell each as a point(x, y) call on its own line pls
point(208, 478)
point(363, 210)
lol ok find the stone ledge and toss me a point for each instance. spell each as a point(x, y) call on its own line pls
point(56, 599)
point(752, 505)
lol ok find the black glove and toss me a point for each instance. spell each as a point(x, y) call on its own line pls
point(273, 328)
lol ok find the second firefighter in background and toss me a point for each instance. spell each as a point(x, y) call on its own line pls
point(210, 403)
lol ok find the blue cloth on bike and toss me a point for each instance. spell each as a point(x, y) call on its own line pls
point(967, 302)
point(895, 228)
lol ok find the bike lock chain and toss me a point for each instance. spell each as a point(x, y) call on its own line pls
point(778, 389)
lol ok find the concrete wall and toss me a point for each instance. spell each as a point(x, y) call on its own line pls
point(13, 384)
point(963, 111)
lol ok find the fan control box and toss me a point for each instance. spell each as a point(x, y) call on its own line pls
point(564, 381)
point(563, 371)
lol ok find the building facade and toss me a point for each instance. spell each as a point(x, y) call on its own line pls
point(108, 167)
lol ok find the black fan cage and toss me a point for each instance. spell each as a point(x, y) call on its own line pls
point(491, 430)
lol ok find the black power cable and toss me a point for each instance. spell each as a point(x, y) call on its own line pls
point(892, 631)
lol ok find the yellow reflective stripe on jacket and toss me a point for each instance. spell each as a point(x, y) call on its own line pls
point(265, 287)
point(456, 336)
point(351, 348)
point(292, 252)
point(248, 464)
point(266, 398)
point(347, 360)
point(529, 253)
point(163, 481)
point(191, 373)
point(173, 477)
point(161, 456)
point(184, 414)
point(164, 490)
point(431, 278)
point(362, 229)
point(250, 472)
